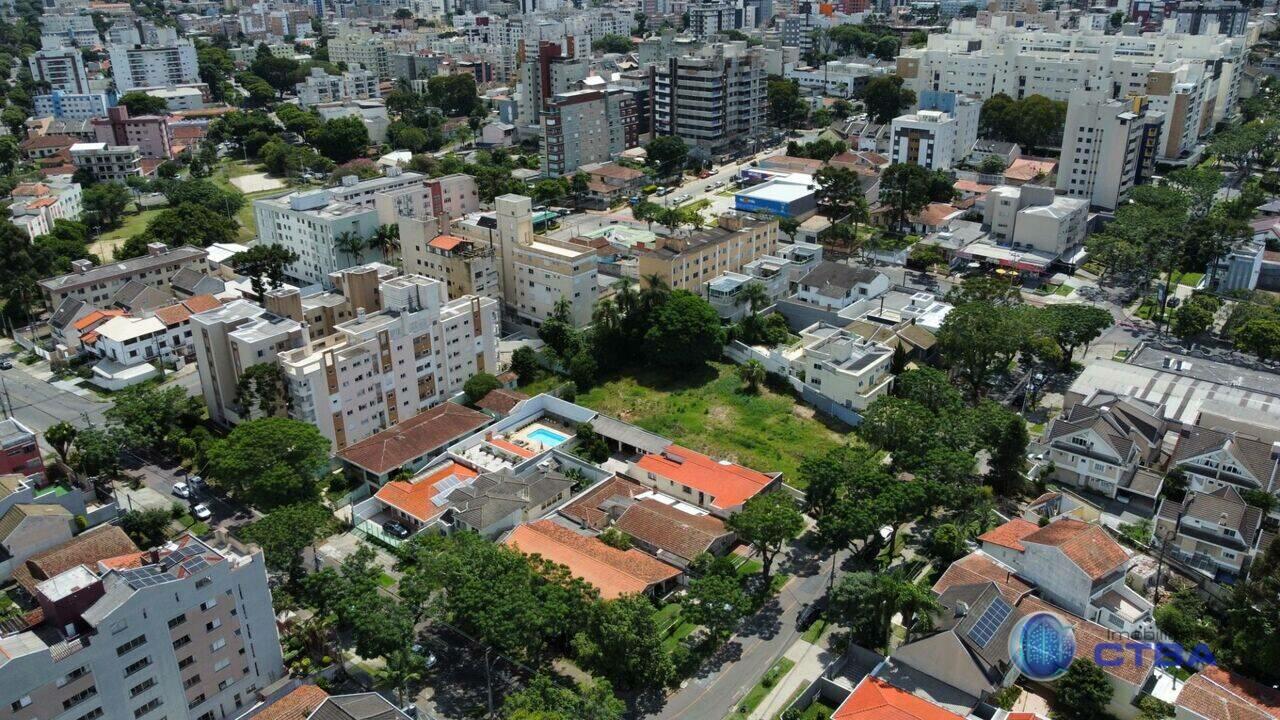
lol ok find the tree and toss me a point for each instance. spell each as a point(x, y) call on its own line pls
point(106, 202)
point(286, 531)
point(97, 452)
point(350, 244)
point(977, 339)
point(1260, 336)
point(621, 642)
point(886, 97)
point(204, 193)
point(140, 103)
point(455, 95)
point(667, 154)
point(543, 699)
point(264, 261)
point(611, 43)
point(479, 385)
point(149, 419)
point(1194, 317)
point(524, 363)
point(1252, 617)
point(550, 190)
point(262, 386)
point(341, 139)
point(147, 528)
point(402, 667)
point(786, 108)
point(752, 373)
point(685, 333)
point(385, 239)
point(192, 224)
point(992, 165)
point(591, 445)
point(766, 522)
point(1185, 619)
point(948, 543)
point(789, 226)
point(1073, 325)
point(904, 189)
point(61, 436)
point(583, 369)
point(716, 601)
point(1082, 693)
point(270, 462)
point(866, 602)
point(838, 189)
point(558, 331)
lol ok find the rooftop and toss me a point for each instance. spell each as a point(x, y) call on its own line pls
point(125, 267)
point(427, 498)
point(409, 440)
point(612, 571)
point(726, 484)
point(875, 699)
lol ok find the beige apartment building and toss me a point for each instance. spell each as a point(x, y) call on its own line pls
point(389, 365)
point(688, 259)
point(231, 339)
point(96, 284)
point(465, 266)
point(185, 630)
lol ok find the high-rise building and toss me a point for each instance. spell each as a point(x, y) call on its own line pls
point(353, 84)
point(547, 71)
point(1108, 146)
point(385, 366)
point(63, 69)
point(940, 135)
point(1207, 17)
point(711, 17)
point(185, 630)
point(229, 340)
point(142, 66)
point(368, 52)
point(70, 106)
point(584, 127)
point(149, 132)
point(713, 98)
point(463, 265)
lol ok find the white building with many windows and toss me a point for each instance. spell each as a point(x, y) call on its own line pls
point(353, 84)
point(146, 66)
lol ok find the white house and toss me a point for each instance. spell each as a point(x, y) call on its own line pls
point(843, 366)
point(37, 206)
point(835, 286)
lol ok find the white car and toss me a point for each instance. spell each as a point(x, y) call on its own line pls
point(181, 490)
point(201, 512)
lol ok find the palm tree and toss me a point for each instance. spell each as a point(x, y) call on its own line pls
point(402, 668)
point(385, 239)
point(350, 244)
point(859, 212)
point(605, 315)
point(655, 291)
point(752, 373)
point(625, 296)
point(755, 296)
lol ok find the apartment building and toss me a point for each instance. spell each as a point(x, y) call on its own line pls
point(464, 266)
point(355, 83)
point(928, 138)
point(97, 284)
point(583, 127)
point(62, 68)
point(711, 17)
point(229, 340)
point(61, 104)
point(1183, 93)
point(366, 51)
point(726, 292)
point(37, 206)
point(982, 61)
point(107, 163)
point(688, 259)
point(144, 66)
point(549, 70)
point(312, 223)
point(1211, 17)
point(713, 98)
point(1108, 146)
point(1033, 218)
point(452, 196)
point(149, 133)
point(185, 630)
point(385, 366)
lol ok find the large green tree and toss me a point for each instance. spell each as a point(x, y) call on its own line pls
point(1083, 693)
point(621, 641)
point(270, 462)
point(286, 531)
point(886, 97)
point(340, 139)
point(686, 332)
point(767, 522)
point(904, 190)
point(666, 154)
point(106, 202)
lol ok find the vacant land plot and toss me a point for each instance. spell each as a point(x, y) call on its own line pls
point(709, 412)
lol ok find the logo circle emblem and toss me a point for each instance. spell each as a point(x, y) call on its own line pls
point(1042, 646)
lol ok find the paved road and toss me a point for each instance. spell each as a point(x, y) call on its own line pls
point(744, 659)
point(38, 404)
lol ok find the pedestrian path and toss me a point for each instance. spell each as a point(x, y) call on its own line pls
point(810, 660)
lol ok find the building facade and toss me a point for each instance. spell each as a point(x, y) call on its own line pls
point(713, 98)
point(143, 66)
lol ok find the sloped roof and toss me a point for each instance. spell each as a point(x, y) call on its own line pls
point(1010, 534)
point(1088, 636)
point(875, 699)
point(416, 497)
point(84, 549)
point(298, 704)
point(727, 484)
point(359, 706)
point(1253, 455)
point(419, 435)
point(446, 242)
point(14, 516)
point(1218, 694)
point(669, 529)
point(501, 400)
point(612, 571)
point(978, 567)
point(589, 508)
point(1085, 544)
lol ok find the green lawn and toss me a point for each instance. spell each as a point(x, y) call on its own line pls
point(193, 526)
point(814, 632)
point(817, 710)
point(386, 580)
point(1190, 279)
point(757, 694)
point(1064, 290)
point(672, 626)
point(792, 698)
point(133, 224)
point(545, 383)
point(708, 412)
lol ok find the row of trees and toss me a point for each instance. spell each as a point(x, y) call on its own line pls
point(1032, 122)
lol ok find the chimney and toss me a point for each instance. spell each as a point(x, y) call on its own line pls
point(157, 249)
point(81, 267)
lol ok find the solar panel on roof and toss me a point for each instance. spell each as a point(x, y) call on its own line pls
point(985, 629)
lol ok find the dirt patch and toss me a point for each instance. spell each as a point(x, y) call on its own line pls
point(720, 414)
point(257, 182)
point(803, 411)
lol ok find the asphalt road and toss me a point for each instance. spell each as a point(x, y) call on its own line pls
point(38, 404)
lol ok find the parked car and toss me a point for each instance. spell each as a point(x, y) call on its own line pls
point(6, 364)
point(429, 659)
point(181, 490)
point(810, 614)
point(201, 512)
point(196, 481)
point(395, 530)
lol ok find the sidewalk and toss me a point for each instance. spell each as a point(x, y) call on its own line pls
point(810, 660)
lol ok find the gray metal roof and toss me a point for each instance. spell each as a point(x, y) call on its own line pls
point(629, 434)
point(123, 268)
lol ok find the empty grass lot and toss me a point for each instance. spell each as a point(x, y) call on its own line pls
point(709, 412)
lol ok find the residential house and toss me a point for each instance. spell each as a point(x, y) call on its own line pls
point(1110, 445)
point(1216, 532)
point(1216, 692)
point(841, 365)
point(21, 449)
point(1214, 459)
point(37, 206)
point(411, 444)
point(611, 571)
point(87, 548)
point(718, 486)
point(609, 183)
point(875, 699)
point(835, 286)
point(499, 402)
point(27, 529)
point(498, 501)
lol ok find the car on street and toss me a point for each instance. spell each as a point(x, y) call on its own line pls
point(196, 481)
point(810, 613)
point(395, 530)
point(6, 364)
point(201, 512)
point(182, 490)
point(429, 659)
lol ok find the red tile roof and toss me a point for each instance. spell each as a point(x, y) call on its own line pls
point(511, 447)
point(201, 303)
point(726, 484)
point(501, 400)
point(84, 549)
point(1085, 544)
point(179, 313)
point(420, 435)
point(875, 699)
point(1217, 694)
point(976, 568)
point(669, 529)
point(1088, 636)
point(612, 571)
point(446, 242)
point(415, 496)
point(297, 705)
point(96, 317)
point(1009, 534)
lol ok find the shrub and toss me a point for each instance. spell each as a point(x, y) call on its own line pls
point(178, 510)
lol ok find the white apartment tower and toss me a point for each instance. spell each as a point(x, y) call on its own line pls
point(62, 68)
point(386, 366)
point(182, 631)
point(144, 66)
point(1108, 146)
point(713, 98)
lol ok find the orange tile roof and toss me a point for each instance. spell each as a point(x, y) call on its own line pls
point(87, 548)
point(1026, 169)
point(612, 571)
point(511, 447)
point(415, 496)
point(1214, 693)
point(727, 484)
point(201, 303)
point(446, 242)
point(126, 561)
point(976, 568)
point(297, 705)
point(1088, 636)
point(1085, 544)
point(413, 438)
point(30, 190)
point(42, 203)
point(501, 400)
point(97, 316)
point(875, 699)
point(175, 314)
point(1009, 534)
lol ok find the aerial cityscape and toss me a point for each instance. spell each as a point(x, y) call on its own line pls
point(640, 359)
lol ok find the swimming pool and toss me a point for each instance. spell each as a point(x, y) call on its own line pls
point(549, 438)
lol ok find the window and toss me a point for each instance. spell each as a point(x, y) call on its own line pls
point(213, 624)
point(218, 645)
point(136, 642)
point(186, 661)
point(93, 714)
point(151, 705)
point(142, 687)
point(79, 697)
point(175, 622)
point(73, 675)
point(20, 703)
point(180, 642)
point(136, 666)
point(186, 684)
point(196, 700)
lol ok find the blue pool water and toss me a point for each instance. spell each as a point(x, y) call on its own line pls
point(548, 438)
